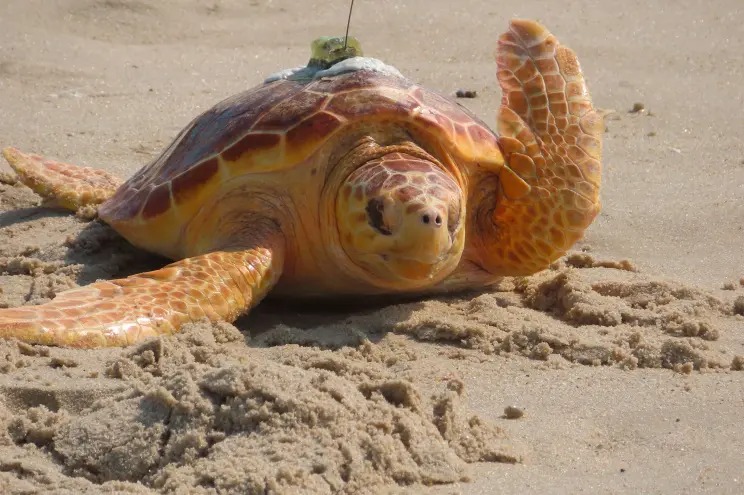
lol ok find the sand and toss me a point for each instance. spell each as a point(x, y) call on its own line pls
point(618, 370)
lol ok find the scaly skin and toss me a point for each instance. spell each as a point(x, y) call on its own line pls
point(70, 186)
point(550, 135)
point(402, 217)
point(217, 286)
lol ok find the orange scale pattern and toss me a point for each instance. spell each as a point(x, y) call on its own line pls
point(550, 135)
point(215, 286)
point(70, 186)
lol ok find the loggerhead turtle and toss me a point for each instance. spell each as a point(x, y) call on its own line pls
point(338, 178)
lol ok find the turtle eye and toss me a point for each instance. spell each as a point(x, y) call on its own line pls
point(375, 209)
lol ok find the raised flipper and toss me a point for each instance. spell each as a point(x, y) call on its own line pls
point(68, 186)
point(217, 286)
point(551, 138)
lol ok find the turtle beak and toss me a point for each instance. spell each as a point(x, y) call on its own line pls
point(424, 236)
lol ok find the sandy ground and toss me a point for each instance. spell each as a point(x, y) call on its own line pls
point(628, 373)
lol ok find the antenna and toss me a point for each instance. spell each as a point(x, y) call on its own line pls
point(348, 23)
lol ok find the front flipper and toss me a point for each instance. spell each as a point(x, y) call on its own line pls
point(217, 286)
point(551, 138)
point(69, 186)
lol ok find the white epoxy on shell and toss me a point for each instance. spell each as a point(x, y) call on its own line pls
point(349, 65)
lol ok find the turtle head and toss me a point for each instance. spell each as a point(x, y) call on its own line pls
point(400, 219)
point(328, 50)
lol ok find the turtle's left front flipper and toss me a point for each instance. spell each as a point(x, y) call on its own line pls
point(551, 137)
point(69, 186)
point(217, 286)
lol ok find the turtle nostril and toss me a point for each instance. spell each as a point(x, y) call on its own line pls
point(435, 220)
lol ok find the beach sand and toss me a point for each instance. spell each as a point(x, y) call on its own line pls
point(618, 370)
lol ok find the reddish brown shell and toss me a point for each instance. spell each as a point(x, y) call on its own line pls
point(280, 125)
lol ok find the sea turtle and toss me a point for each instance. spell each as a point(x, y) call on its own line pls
point(339, 178)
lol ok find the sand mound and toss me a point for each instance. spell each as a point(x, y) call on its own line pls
point(594, 315)
point(201, 410)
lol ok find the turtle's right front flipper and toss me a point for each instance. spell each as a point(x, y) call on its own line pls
point(69, 186)
point(217, 286)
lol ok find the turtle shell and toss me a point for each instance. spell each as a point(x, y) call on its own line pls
point(279, 125)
